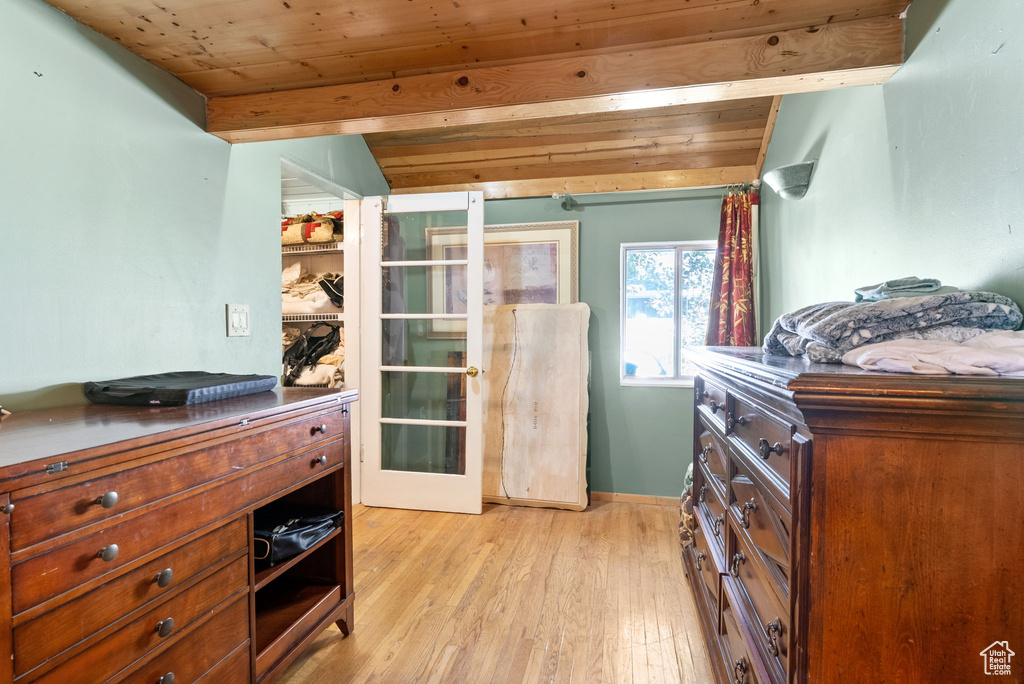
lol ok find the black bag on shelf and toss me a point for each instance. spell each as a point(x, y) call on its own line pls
point(176, 389)
point(319, 339)
point(283, 529)
point(334, 288)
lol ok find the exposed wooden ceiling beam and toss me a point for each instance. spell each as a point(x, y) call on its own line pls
point(859, 52)
point(769, 128)
point(616, 182)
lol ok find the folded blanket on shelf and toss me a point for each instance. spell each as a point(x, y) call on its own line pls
point(301, 292)
point(288, 337)
point(910, 286)
point(322, 374)
point(825, 332)
point(992, 353)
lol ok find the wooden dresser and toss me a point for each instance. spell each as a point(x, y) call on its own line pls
point(855, 526)
point(126, 539)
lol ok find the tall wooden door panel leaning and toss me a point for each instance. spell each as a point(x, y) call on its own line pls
point(851, 525)
point(127, 549)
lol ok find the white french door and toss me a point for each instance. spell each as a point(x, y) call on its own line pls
point(422, 319)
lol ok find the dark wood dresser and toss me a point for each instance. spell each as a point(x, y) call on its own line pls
point(855, 526)
point(126, 539)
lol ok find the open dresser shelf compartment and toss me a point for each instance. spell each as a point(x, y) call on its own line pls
point(267, 575)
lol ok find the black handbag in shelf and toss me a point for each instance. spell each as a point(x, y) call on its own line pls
point(283, 529)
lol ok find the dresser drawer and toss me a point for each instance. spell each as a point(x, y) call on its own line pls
point(50, 514)
point(55, 572)
point(704, 561)
point(769, 620)
point(711, 402)
point(740, 663)
point(714, 456)
point(199, 651)
point(766, 441)
point(764, 522)
point(712, 506)
point(68, 624)
point(163, 623)
point(232, 670)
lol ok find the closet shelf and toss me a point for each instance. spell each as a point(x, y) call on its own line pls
point(312, 318)
point(316, 248)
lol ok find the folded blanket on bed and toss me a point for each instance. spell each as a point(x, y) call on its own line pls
point(992, 353)
point(824, 332)
point(911, 286)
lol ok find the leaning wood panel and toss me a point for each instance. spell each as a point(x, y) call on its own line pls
point(421, 101)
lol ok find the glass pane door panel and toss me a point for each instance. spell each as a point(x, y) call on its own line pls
point(423, 396)
point(424, 290)
point(420, 343)
point(423, 448)
point(423, 236)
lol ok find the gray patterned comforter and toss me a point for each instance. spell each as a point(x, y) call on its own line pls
point(824, 332)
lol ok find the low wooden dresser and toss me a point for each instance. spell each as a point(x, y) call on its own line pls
point(126, 539)
point(855, 526)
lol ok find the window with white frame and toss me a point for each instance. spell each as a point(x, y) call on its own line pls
point(666, 294)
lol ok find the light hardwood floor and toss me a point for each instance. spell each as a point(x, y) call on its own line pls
point(515, 595)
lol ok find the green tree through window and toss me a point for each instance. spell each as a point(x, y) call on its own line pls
point(666, 297)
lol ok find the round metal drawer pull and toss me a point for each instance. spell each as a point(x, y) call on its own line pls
point(737, 560)
point(733, 422)
point(716, 525)
point(166, 679)
point(764, 449)
point(703, 493)
point(740, 671)
point(108, 553)
point(8, 509)
point(108, 500)
point(322, 429)
point(700, 559)
point(704, 453)
point(164, 578)
point(745, 510)
point(715, 406)
point(704, 394)
point(319, 460)
point(773, 629)
point(165, 627)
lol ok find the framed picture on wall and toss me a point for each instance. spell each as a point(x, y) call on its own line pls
point(533, 263)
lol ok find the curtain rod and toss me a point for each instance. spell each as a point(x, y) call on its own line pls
point(569, 202)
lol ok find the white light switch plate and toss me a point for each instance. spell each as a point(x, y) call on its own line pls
point(238, 320)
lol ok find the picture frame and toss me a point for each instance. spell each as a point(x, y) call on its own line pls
point(524, 263)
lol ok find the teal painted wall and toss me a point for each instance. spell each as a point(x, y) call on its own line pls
point(125, 228)
point(639, 437)
point(920, 176)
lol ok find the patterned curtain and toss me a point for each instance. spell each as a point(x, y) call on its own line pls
point(733, 320)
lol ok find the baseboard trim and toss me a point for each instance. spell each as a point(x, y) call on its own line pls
point(635, 498)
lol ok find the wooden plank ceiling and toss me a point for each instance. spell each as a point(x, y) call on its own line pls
point(516, 97)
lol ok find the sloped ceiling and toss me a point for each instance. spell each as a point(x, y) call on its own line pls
point(498, 87)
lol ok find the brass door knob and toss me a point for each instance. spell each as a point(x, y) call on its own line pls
point(472, 371)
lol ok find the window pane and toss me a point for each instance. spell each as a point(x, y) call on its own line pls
point(649, 326)
point(696, 272)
